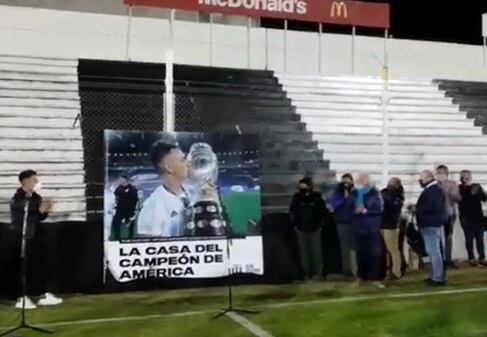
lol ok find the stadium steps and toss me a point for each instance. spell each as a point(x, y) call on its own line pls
point(39, 106)
point(287, 151)
point(426, 127)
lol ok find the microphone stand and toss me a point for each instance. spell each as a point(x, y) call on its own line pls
point(230, 308)
point(23, 262)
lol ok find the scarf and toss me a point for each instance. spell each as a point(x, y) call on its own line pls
point(361, 192)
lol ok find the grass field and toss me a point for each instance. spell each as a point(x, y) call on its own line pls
point(311, 309)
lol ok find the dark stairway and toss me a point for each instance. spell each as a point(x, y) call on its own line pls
point(252, 102)
point(472, 98)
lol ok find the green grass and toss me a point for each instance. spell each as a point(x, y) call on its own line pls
point(242, 207)
point(337, 310)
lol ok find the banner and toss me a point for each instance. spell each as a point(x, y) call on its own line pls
point(353, 13)
point(181, 205)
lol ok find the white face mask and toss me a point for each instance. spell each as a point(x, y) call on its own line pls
point(37, 187)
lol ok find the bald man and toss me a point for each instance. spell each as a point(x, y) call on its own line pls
point(431, 215)
point(162, 212)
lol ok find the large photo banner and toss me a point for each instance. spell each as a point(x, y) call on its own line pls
point(181, 205)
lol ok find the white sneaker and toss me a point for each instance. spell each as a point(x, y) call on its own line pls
point(379, 285)
point(29, 305)
point(49, 299)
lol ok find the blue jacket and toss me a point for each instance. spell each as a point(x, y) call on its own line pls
point(371, 220)
point(431, 207)
point(343, 208)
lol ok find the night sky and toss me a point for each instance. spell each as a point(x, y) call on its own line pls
point(434, 20)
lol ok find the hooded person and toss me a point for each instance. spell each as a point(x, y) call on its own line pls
point(307, 212)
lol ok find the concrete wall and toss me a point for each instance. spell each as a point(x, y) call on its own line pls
point(27, 30)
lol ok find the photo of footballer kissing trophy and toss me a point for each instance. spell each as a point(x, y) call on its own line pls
point(204, 216)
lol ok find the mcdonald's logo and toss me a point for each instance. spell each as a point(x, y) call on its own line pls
point(338, 8)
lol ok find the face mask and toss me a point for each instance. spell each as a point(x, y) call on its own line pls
point(37, 187)
point(303, 190)
point(423, 185)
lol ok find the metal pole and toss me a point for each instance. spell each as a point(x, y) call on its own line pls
point(353, 50)
point(385, 114)
point(266, 48)
point(320, 35)
point(249, 41)
point(169, 120)
point(172, 19)
point(211, 39)
point(484, 51)
point(285, 45)
point(127, 38)
point(386, 51)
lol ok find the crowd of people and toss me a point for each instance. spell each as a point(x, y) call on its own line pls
point(368, 224)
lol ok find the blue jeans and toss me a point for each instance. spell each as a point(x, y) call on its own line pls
point(432, 242)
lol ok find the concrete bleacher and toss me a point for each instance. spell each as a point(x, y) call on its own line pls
point(253, 102)
point(39, 104)
point(426, 128)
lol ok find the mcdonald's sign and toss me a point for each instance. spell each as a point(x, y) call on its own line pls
point(339, 9)
point(345, 12)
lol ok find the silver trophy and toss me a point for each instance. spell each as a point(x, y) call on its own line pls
point(204, 216)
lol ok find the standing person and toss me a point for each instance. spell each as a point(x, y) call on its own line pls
point(37, 247)
point(307, 213)
point(452, 194)
point(126, 197)
point(430, 218)
point(472, 217)
point(393, 197)
point(342, 202)
point(367, 223)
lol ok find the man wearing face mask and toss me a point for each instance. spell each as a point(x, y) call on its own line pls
point(36, 243)
point(393, 197)
point(452, 194)
point(343, 209)
point(307, 212)
point(430, 217)
point(472, 217)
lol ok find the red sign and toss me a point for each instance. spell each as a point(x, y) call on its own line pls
point(353, 13)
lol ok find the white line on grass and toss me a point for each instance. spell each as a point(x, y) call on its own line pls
point(248, 325)
point(270, 305)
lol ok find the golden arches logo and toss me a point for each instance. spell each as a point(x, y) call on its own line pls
point(338, 8)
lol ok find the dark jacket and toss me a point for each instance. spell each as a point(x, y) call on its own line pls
point(471, 204)
point(126, 198)
point(393, 201)
point(17, 211)
point(431, 207)
point(343, 207)
point(307, 211)
point(371, 220)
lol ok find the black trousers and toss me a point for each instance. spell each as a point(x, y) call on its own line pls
point(41, 264)
point(118, 220)
point(474, 232)
point(369, 256)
